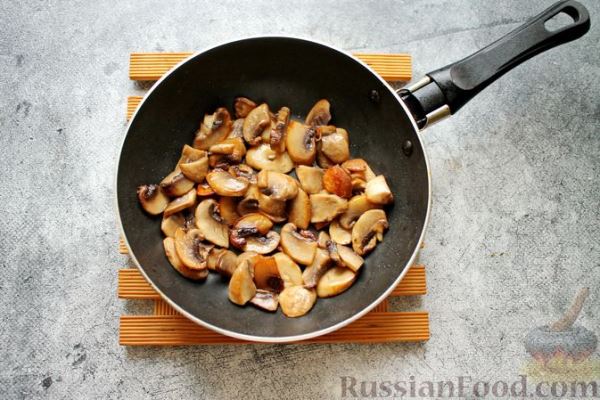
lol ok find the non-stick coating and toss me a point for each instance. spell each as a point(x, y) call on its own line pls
point(294, 73)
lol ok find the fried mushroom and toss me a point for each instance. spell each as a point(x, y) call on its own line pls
point(325, 207)
point(225, 184)
point(263, 157)
point(178, 265)
point(310, 178)
point(300, 247)
point(255, 123)
point(213, 129)
point(210, 224)
point(152, 199)
point(367, 230)
point(296, 301)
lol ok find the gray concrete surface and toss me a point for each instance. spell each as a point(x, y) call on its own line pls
point(514, 230)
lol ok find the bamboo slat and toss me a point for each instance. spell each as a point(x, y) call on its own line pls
point(173, 330)
point(151, 66)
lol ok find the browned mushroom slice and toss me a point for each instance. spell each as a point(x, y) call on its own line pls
point(173, 222)
point(262, 244)
point(277, 185)
point(335, 281)
point(222, 261)
point(213, 258)
point(243, 106)
point(300, 210)
point(319, 114)
point(204, 190)
point(210, 224)
point(229, 151)
point(358, 168)
point(339, 234)
point(181, 203)
point(243, 171)
point(191, 249)
point(323, 161)
point(228, 210)
point(367, 230)
point(255, 123)
point(249, 204)
point(322, 239)
point(296, 301)
point(241, 284)
point(225, 184)
point(263, 157)
point(178, 265)
point(272, 208)
point(249, 256)
point(335, 146)
point(252, 233)
point(277, 137)
point(266, 275)
point(176, 184)
point(321, 263)
point(378, 191)
point(193, 163)
point(349, 258)
point(290, 272)
point(214, 128)
point(358, 185)
point(325, 207)
point(301, 248)
point(266, 300)
point(300, 143)
point(236, 129)
point(357, 206)
point(311, 178)
point(152, 199)
point(337, 181)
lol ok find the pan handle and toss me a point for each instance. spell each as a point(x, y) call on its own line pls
point(444, 91)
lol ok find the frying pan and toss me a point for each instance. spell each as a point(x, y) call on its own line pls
point(384, 129)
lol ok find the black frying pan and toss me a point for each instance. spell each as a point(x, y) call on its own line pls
point(384, 129)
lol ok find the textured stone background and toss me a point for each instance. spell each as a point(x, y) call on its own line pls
point(514, 231)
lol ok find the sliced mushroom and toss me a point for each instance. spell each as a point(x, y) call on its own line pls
point(225, 184)
point(178, 265)
point(311, 178)
point(277, 137)
point(243, 106)
point(193, 163)
point(277, 185)
point(213, 258)
point(299, 211)
point(228, 210)
point(323, 161)
point(358, 168)
point(152, 199)
point(210, 224)
point(378, 191)
point(335, 146)
point(249, 204)
point(255, 123)
point(181, 203)
point(272, 208)
point(335, 281)
point(252, 233)
point(266, 300)
point(321, 263)
point(349, 258)
point(266, 275)
point(357, 206)
point(191, 249)
point(176, 184)
point(319, 114)
point(337, 180)
point(262, 244)
point(249, 256)
point(171, 223)
point(241, 284)
point(325, 207)
point(301, 248)
point(204, 190)
point(263, 157)
point(236, 129)
point(243, 171)
point(229, 151)
point(290, 272)
point(367, 230)
point(300, 143)
point(214, 128)
point(222, 261)
point(322, 239)
point(339, 234)
point(296, 301)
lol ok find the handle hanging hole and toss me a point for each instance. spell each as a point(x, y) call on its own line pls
point(559, 21)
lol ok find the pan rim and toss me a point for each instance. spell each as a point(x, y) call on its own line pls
point(276, 339)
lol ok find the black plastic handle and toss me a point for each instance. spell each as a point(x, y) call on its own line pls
point(455, 84)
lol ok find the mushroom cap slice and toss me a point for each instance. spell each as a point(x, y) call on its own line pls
point(335, 281)
point(325, 207)
point(367, 230)
point(222, 261)
point(191, 249)
point(277, 136)
point(249, 204)
point(300, 248)
point(335, 146)
point(290, 272)
point(323, 161)
point(170, 224)
point(299, 211)
point(243, 106)
point(319, 114)
point(263, 157)
point(193, 163)
point(213, 129)
point(378, 191)
point(181, 203)
point(262, 244)
point(171, 253)
point(236, 129)
point(337, 180)
point(358, 168)
point(176, 184)
point(277, 185)
point(349, 258)
point(209, 223)
point(266, 275)
point(296, 301)
point(339, 234)
point(204, 190)
point(255, 123)
point(266, 300)
point(272, 208)
point(243, 171)
point(300, 143)
point(357, 206)
point(241, 284)
point(249, 256)
point(225, 184)
point(311, 178)
point(321, 263)
point(228, 209)
point(252, 233)
point(152, 199)
point(229, 151)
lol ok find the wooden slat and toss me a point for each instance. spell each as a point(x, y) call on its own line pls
point(151, 66)
point(175, 330)
point(132, 104)
point(161, 307)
